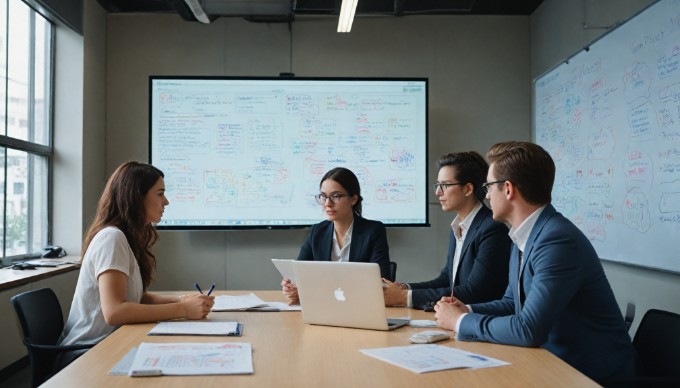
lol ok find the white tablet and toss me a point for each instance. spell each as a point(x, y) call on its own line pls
point(285, 267)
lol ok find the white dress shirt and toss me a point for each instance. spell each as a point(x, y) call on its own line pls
point(519, 236)
point(341, 253)
point(460, 228)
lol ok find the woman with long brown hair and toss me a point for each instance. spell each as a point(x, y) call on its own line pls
point(117, 262)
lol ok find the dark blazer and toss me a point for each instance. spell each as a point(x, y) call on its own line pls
point(482, 274)
point(565, 303)
point(369, 244)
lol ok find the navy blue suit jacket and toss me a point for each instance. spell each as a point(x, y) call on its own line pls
point(369, 244)
point(482, 274)
point(565, 303)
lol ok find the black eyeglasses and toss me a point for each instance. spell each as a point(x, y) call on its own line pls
point(485, 185)
point(444, 186)
point(321, 198)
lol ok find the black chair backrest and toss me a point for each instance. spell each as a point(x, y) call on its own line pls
point(630, 315)
point(657, 342)
point(393, 271)
point(42, 321)
point(40, 316)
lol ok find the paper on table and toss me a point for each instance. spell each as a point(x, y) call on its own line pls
point(187, 358)
point(195, 328)
point(122, 367)
point(430, 358)
point(285, 268)
point(249, 302)
point(47, 262)
point(276, 306)
point(238, 302)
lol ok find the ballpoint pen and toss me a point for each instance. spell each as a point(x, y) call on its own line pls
point(198, 287)
point(211, 289)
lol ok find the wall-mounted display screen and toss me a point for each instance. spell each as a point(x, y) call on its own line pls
point(250, 152)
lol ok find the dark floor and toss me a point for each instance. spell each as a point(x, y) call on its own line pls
point(21, 379)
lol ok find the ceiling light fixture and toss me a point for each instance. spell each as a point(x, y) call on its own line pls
point(346, 18)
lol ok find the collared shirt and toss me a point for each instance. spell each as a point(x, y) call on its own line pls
point(460, 228)
point(341, 253)
point(519, 236)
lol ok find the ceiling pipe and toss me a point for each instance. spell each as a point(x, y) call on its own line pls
point(198, 11)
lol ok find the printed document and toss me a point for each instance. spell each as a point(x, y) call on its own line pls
point(430, 358)
point(195, 328)
point(186, 358)
point(47, 262)
point(249, 302)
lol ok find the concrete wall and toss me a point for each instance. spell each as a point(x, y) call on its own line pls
point(478, 69)
point(94, 109)
point(67, 140)
point(79, 126)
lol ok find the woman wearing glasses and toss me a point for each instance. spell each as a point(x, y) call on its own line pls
point(345, 235)
point(479, 249)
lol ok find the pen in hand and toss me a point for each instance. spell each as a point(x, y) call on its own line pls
point(206, 307)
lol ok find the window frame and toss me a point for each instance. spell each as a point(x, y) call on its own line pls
point(32, 149)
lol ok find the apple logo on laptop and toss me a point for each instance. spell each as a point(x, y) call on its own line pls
point(340, 294)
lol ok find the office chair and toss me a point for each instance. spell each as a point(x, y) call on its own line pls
point(657, 342)
point(630, 315)
point(42, 322)
point(393, 271)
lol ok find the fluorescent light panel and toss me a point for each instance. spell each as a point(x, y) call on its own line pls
point(347, 10)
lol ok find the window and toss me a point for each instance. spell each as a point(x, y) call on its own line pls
point(18, 188)
point(25, 110)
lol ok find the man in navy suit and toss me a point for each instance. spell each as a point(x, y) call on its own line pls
point(558, 296)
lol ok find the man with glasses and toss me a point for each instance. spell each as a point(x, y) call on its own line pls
point(558, 296)
point(476, 268)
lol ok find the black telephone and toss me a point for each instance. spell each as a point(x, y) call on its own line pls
point(53, 251)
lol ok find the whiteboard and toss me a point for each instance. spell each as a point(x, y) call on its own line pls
point(610, 117)
point(243, 152)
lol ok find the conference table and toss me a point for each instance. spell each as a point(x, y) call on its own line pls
point(289, 353)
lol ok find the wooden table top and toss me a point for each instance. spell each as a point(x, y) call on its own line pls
point(290, 353)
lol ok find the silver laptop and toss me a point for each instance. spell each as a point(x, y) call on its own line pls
point(343, 294)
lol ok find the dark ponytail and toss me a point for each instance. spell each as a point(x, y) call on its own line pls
point(349, 182)
point(470, 167)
